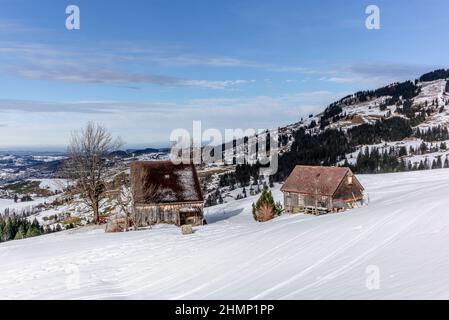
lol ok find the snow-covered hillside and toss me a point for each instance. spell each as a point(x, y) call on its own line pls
point(406, 124)
point(402, 234)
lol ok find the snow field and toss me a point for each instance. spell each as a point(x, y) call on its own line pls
point(402, 232)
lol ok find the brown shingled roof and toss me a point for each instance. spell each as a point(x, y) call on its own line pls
point(168, 182)
point(315, 180)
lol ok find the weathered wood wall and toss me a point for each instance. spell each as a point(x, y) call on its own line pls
point(168, 213)
point(294, 202)
point(347, 192)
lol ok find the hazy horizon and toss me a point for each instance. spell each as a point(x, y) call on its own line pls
point(145, 69)
point(62, 149)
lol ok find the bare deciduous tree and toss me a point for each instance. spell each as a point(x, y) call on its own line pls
point(89, 152)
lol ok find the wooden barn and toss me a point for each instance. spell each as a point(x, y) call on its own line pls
point(166, 193)
point(320, 190)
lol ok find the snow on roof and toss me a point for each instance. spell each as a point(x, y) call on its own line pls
point(165, 181)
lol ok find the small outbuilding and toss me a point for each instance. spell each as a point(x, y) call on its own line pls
point(321, 190)
point(165, 192)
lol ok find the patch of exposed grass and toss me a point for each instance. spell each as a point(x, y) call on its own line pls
point(72, 220)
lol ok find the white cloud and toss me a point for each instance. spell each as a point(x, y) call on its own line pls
point(374, 75)
point(42, 62)
point(215, 84)
point(189, 60)
point(50, 123)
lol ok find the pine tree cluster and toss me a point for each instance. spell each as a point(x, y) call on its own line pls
point(435, 75)
point(437, 133)
point(15, 228)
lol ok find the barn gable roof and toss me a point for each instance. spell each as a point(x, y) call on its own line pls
point(165, 182)
point(315, 180)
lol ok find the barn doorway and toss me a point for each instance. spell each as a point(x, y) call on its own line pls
point(190, 216)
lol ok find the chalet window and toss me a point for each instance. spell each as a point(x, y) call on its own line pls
point(291, 199)
point(350, 180)
point(287, 199)
point(294, 200)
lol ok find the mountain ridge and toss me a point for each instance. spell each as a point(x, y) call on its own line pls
point(402, 126)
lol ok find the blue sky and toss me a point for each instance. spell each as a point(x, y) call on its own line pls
point(144, 68)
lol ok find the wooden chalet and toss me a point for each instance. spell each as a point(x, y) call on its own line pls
point(320, 190)
point(166, 193)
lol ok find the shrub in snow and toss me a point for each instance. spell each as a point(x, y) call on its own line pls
point(265, 209)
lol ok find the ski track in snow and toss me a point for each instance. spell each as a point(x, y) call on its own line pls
point(403, 231)
point(320, 262)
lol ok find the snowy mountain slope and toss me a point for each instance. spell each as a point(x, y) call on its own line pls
point(370, 110)
point(402, 232)
point(403, 125)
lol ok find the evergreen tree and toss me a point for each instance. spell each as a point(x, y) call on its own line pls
point(423, 148)
point(421, 166)
point(439, 163)
point(265, 208)
point(434, 164)
point(426, 163)
point(9, 232)
point(19, 235)
point(402, 152)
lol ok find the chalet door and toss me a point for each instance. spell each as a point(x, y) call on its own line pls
point(182, 220)
point(188, 218)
